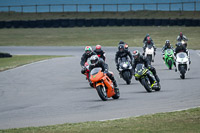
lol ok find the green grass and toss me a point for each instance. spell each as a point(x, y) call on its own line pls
point(19, 60)
point(106, 36)
point(86, 15)
point(187, 121)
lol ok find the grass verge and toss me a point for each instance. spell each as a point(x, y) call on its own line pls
point(19, 60)
point(186, 121)
point(106, 36)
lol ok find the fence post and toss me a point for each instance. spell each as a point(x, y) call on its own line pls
point(49, 8)
point(182, 6)
point(76, 7)
point(156, 6)
point(90, 8)
point(131, 7)
point(9, 10)
point(21, 9)
point(36, 9)
point(117, 7)
point(63, 7)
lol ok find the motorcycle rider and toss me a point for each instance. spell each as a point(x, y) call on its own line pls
point(122, 52)
point(149, 41)
point(100, 52)
point(181, 37)
point(141, 59)
point(123, 43)
point(88, 53)
point(166, 46)
point(181, 48)
point(96, 62)
point(145, 38)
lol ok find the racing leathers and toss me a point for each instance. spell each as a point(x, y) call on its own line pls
point(101, 54)
point(84, 59)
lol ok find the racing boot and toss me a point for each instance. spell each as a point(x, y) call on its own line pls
point(157, 78)
point(115, 83)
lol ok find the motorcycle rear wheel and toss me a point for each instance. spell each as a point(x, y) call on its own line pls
point(102, 93)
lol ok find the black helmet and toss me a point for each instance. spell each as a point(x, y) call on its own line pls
point(121, 48)
point(94, 59)
point(167, 43)
point(121, 42)
point(179, 44)
point(136, 55)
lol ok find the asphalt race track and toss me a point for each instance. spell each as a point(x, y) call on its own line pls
point(55, 92)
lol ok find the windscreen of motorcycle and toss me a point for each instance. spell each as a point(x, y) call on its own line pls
point(139, 69)
point(95, 70)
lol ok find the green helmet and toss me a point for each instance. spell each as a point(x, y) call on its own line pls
point(88, 50)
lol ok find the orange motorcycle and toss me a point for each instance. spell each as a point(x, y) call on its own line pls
point(103, 84)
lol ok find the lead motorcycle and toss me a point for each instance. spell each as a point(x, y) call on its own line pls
point(141, 74)
point(125, 69)
point(182, 63)
point(103, 84)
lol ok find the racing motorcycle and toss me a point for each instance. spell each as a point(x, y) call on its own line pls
point(125, 68)
point(169, 58)
point(149, 53)
point(141, 74)
point(103, 84)
point(182, 64)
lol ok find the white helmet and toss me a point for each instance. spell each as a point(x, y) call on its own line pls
point(94, 59)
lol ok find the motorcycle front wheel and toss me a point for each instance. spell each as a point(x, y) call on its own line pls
point(146, 85)
point(126, 77)
point(102, 93)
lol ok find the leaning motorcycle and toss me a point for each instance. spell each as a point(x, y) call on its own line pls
point(169, 58)
point(149, 53)
point(141, 74)
point(182, 64)
point(125, 69)
point(103, 84)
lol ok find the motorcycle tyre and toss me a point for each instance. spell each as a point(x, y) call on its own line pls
point(146, 85)
point(101, 93)
point(126, 76)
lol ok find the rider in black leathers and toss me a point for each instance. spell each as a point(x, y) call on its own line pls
point(96, 62)
point(88, 53)
point(122, 52)
point(139, 59)
point(166, 46)
point(100, 52)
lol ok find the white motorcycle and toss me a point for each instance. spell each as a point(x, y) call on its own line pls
point(182, 63)
point(149, 53)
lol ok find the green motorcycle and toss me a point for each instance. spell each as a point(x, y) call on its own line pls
point(169, 58)
point(141, 73)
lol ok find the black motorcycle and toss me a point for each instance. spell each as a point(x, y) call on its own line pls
point(141, 73)
point(125, 69)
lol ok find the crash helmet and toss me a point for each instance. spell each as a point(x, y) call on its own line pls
point(94, 59)
point(121, 42)
point(98, 48)
point(181, 34)
point(136, 55)
point(148, 40)
point(167, 43)
point(88, 50)
point(179, 44)
point(121, 48)
point(126, 46)
point(147, 35)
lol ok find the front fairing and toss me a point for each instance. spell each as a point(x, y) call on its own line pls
point(140, 70)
